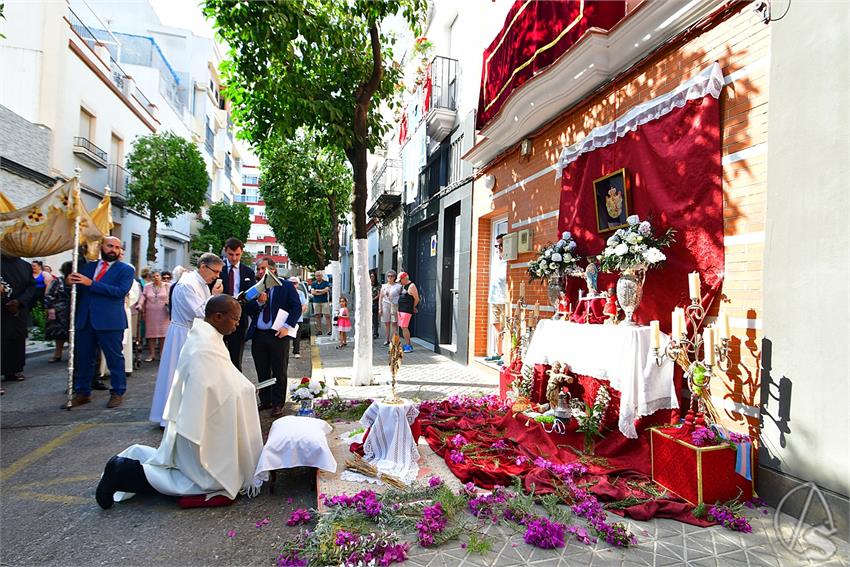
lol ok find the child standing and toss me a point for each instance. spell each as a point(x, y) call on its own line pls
point(343, 322)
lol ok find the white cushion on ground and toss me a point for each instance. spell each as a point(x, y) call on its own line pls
point(295, 441)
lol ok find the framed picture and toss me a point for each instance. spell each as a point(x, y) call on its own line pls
point(611, 197)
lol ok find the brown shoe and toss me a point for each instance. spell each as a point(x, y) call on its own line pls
point(114, 401)
point(277, 411)
point(79, 400)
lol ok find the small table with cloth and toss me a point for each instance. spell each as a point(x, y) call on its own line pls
point(620, 354)
point(295, 441)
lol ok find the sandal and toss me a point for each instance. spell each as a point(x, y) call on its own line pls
point(149, 359)
point(54, 359)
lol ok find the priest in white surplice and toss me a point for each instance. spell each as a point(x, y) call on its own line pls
point(187, 305)
point(212, 439)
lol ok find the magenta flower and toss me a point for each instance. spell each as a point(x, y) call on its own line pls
point(458, 440)
point(231, 533)
point(435, 481)
point(299, 516)
point(261, 523)
point(456, 457)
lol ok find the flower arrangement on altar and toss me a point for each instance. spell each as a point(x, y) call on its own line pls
point(555, 260)
point(521, 386)
point(635, 246)
point(306, 389)
point(589, 417)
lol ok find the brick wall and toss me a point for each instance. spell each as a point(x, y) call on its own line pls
point(741, 45)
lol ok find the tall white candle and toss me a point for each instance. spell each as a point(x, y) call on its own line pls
point(694, 286)
point(522, 290)
point(708, 344)
point(656, 334)
point(723, 320)
point(676, 325)
point(682, 323)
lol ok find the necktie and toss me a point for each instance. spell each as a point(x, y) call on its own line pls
point(267, 310)
point(233, 280)
point(103, 267)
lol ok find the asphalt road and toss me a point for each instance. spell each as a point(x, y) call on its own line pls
point(51, 460)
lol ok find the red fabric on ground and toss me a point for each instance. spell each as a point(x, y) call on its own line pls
point(200, 501)
point(624, 459)
point(673, 165)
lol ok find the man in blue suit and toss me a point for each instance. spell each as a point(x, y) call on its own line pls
point(270, 348)
point(101, 320)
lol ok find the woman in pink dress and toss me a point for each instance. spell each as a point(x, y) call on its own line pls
point(153, 307)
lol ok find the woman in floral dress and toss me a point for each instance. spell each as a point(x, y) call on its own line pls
point(153, 307)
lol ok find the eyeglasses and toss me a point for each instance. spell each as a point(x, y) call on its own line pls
point(498, 246)
point(216, 272)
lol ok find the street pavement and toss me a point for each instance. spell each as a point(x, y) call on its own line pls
point(426, 375)
point(51, 460)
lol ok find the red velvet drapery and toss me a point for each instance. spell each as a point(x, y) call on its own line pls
point(673, 164)
point(535, 34)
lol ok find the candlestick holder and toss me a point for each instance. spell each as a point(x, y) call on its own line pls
point(690, 354)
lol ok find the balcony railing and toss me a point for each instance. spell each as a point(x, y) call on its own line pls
point(210, 139)
point(385, 195)
point(86, 149)
point(443, 79)
point(119, 180)
point(228, 164)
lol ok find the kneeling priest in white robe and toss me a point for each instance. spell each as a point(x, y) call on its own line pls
point(212, 438)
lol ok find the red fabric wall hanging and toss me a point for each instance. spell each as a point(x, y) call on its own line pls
point(674, 168)
point(535, 35)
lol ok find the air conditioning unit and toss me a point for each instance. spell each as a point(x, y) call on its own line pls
point(509, 246)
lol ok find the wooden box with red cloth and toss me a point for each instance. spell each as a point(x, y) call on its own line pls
point(697, 474)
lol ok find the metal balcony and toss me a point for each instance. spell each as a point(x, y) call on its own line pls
point(441, 97)
point(210, 139)
point(386, 191)
point(119, 181)
point(89, 152)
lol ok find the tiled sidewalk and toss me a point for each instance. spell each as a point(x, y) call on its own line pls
point(426, 375)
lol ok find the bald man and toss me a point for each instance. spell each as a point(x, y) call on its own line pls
point(212, 438)
point(101, 320)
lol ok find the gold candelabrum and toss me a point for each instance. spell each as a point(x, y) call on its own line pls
point(396, 354)
point(698, 355)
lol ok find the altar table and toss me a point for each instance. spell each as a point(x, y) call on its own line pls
point(620, 354)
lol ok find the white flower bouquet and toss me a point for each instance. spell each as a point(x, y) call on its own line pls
point(306, 390)
point(589, 418)
point(635, 246)
point(558, 259)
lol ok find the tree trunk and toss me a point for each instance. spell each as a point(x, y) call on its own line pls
point(152, 240)
point(334, 228)
point(357, 156)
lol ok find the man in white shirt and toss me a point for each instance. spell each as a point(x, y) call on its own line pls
point(237, 278)
point(212, 439)
point(187, 304)
point(498, 297)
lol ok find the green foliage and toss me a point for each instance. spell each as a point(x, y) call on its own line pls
point(478, 544)
point(304, 63)
point(39, 319)
point(223, 221)
point(307, 191)
point(335, 408)
point(168, 178)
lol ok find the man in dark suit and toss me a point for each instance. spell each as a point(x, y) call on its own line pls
point(270, 348)
point(237, 278)
point(100, 321)
point(17, 292)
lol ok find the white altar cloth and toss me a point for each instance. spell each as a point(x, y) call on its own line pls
point(620, 354)
point(295, 441)
point(390, 446)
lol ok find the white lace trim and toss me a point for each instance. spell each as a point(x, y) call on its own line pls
point(626, 423)
point(708, 82)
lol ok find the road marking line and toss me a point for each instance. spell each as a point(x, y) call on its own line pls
point(55, 481)
point(318, 370)
point(42, 451)
point(61, 499)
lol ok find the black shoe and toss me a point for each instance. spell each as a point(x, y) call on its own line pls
point(98, 385)
point(120, 474)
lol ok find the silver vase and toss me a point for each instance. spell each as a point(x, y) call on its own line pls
point(557, 284)
point(630, 291)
